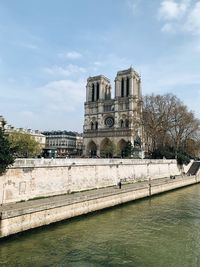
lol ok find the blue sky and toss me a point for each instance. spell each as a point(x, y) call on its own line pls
point(48, 49)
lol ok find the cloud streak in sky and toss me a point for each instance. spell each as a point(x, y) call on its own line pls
point(173, 10)
point(180, 16)
point(70, 55)
point(63, 95)
point(64, 71)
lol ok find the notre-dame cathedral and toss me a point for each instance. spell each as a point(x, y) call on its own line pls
point(110, 124)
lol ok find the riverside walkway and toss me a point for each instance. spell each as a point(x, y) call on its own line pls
point(34, 205)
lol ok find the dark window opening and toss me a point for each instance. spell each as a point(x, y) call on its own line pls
point(97, 91)
point(92, 126)
point(92, 92)
point(122, 88)
point(127, 87)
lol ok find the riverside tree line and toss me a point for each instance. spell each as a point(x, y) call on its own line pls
point(16, 145)
point(170, 130)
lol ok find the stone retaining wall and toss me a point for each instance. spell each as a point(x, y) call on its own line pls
point(14, 222)
point(32, 178)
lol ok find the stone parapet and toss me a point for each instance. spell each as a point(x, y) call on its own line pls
point(33, 178)
point(19, 163)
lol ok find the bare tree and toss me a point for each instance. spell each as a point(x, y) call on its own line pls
point(183, 126)
point(156, 117)
point(168, 123)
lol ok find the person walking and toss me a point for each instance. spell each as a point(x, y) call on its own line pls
point(120, 184)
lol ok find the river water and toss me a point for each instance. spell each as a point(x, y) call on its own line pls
point(161, 231)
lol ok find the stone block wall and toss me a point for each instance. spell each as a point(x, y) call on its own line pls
point(33, 178)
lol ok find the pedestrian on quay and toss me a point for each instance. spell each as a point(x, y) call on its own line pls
point(120, 184)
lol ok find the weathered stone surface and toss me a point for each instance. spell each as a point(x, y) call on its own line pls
point(32, 178)
point(26, 215)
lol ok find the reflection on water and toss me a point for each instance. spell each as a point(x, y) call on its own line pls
point(163, 231)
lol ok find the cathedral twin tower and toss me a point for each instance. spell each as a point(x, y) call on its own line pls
point(111, 124)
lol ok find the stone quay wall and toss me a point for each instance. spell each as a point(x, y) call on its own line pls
point(34, 178)
point(18, 217)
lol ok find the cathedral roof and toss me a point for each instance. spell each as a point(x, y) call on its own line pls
point(98, 78)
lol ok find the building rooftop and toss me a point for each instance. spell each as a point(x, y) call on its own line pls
point(59, 133)
point(98, 78)
point(127, 71)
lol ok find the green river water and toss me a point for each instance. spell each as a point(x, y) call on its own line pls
point(161, 231)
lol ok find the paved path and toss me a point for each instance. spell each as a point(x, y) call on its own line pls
point(15, 209)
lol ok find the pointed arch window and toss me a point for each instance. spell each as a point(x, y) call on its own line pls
point(97, 91)
point(122, 87)
point(92, 126)
point(93, 92)
point(127, 87)
point(96, 125)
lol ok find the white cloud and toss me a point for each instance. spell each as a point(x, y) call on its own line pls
point(193, 19)
point(98, 63)
point(170, 9)
point(55, 105)
point(70, 55)
point(64, 71)
point(63, 95)
point(182, 16)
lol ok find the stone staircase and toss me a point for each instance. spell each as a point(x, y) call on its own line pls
point(194, 168)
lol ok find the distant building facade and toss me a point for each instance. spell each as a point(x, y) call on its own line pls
point(35, 134)
point(63, 143)
point(110, 124)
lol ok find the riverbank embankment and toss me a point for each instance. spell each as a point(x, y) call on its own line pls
point(33, 178)
point(21, 216)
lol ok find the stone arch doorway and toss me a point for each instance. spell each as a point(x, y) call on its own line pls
point(92, 149)
point(122, 145)
point(107, 148)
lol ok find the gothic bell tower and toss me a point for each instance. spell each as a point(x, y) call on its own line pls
point(112, 123)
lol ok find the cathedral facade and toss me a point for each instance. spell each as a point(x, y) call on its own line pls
point(112, 124)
